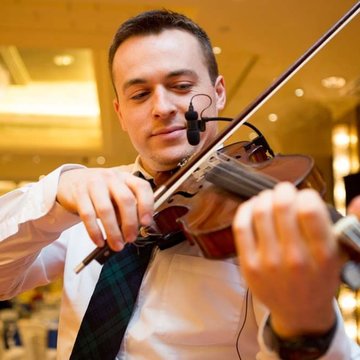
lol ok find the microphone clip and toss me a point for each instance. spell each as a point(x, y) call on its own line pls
point(194, 124)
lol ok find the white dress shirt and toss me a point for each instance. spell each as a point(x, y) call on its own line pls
point(188, 307)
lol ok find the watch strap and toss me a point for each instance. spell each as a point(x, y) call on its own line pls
point(303, 347)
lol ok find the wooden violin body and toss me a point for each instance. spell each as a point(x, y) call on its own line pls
point(204, 207)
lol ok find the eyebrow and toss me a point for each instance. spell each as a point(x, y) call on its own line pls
point(172, 74)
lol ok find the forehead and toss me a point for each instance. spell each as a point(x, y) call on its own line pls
point(166, 51)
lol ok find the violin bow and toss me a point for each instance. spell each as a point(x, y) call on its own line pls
point(164, 191)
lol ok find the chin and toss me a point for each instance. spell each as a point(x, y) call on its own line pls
point(171, 159)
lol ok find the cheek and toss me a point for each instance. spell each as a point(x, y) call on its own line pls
point(137, 131)
point(132, 120)
point(211, 130)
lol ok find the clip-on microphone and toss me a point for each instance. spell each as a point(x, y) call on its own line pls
point(193, 131)
point(195, 125)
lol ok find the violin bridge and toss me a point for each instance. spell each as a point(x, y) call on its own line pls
point(200, 172)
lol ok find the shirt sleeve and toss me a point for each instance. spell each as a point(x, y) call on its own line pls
point(32, 242)
point(342, 347)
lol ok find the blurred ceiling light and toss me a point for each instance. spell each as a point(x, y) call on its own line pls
point(333, 82)
point(272, 117)
point(216, 50)
point(342, 165)
point(347, 301)
point(353, 139)
point(63, 60)
point(339, 191)
point(299, 92)
point(341, 139)
point(45, 98)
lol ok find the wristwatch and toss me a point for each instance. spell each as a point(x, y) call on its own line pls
point(304, 347)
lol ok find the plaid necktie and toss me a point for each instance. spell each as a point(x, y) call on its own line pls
point(111, 305)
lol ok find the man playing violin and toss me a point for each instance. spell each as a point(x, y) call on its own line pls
point(275, 297)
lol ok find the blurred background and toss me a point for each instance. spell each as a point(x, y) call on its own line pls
point(56, 96)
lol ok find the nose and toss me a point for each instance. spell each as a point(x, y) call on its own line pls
point(163, 104)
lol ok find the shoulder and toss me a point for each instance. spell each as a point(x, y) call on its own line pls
point(130, 168)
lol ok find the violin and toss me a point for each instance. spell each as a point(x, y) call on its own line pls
point(203, 208)
point(222, 179)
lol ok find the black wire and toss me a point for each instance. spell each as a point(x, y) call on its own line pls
point(219, 118)
point(203, 120)
point(243, 324)
point(208, 96)
point(260, 140)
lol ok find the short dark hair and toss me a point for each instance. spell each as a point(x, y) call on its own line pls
point(156, 21)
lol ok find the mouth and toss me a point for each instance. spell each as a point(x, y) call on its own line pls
point(168, 130)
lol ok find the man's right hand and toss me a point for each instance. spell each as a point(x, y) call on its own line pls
point(121, 201)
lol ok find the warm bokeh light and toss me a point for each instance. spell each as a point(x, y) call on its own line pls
point(347, 302)
point(341, 139)
point(273, 117)
point(42, 98)
point(299, 92)
point(333, 82)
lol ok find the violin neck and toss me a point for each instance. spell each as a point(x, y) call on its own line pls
point(347, 230)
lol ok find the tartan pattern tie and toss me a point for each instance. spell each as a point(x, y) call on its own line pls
point(111, 305)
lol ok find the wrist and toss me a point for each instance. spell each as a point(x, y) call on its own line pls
point(302, 347)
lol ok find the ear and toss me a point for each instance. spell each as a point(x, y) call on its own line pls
point(220, 92)
point(118, 113)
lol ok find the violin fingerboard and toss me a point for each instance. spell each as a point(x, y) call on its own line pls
point(350, 275)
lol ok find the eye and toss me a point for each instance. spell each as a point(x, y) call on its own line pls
point(183, 86)
point(140, 95)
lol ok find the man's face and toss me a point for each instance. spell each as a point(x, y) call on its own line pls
point(155, 77)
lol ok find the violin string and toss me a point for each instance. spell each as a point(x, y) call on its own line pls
point(234, 182)
point(228, 181)
point(245, 181)
point(238, 179)
point(245, 173)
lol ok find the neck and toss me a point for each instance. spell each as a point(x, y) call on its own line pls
point(160, 175)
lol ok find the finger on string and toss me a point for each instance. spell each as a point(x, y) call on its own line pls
point(286, 223)
point(314, 220)
point(264, 227)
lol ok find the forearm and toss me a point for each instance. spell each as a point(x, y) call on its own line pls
point(29, 203)
point(30, 222)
